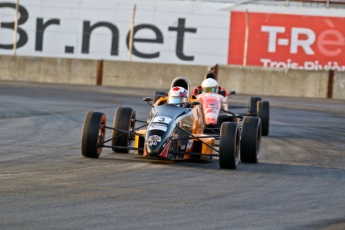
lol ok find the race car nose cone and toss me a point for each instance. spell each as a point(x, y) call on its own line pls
point(153, 148)
point(211, 121)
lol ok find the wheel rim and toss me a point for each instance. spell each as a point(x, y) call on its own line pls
point(258, 142)
point(101, 136)
point(237, 147)
point(131, 129)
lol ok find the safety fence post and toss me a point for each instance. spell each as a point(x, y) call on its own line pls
point(99, 72)
point(330, 83)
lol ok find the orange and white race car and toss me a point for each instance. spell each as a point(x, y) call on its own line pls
point(173, 131)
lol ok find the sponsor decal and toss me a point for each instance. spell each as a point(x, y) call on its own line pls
point(162, 119)
point(158, 127)
point(152, 140)
point(211, 115)
point(211, 105)
point(187, 125)
point(164, 153)
point(210, 110)
point(190, 144)
point(288, 41)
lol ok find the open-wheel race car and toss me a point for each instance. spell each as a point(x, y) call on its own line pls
point(216, 111)
point(173, 132)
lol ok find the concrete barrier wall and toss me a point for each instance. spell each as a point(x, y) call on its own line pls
point(270, 81)
point(249, 80)
point(51, 70)
point(339, 85)
point(149, 75)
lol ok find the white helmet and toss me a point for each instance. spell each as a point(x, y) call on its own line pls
point(177, 95)
point(209, 85)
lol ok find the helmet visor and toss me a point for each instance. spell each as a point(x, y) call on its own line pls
point(209, 90)
point(175, 100)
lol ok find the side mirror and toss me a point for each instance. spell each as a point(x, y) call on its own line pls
point(194, 103)
point(147, 99)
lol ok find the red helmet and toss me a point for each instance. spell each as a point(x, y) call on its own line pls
point(177, 95)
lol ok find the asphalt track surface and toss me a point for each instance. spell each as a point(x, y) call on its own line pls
point(45, 182)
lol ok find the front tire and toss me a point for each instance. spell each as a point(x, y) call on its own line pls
point(229, 145)
point(93, 134)
point(250, 139)
point(124, 119)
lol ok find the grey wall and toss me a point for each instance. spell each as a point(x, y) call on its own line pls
point(244, 80)
point(269, 81)
point(149, 75)
point(339, 85)
point(51, 70)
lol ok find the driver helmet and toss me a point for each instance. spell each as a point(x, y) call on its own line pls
point(209, 85)
point(178, 95)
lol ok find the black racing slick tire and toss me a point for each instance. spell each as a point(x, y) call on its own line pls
point(229, 145)
point(264, 114)
point(236, 119)
point(157, 95)
point(250, 139)
point(223, 118)
point(253, 104)
point(124, 119)
point(93, 134)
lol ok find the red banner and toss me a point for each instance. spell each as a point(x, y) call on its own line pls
point(287, 41)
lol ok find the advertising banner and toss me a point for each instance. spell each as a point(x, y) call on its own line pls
point(287, 41)
point(179, 32)
point(164, 31)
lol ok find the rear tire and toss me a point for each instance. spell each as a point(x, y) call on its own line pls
point(124, 119)
point(250, 139)
point(236, 119)
point(229, 145)
point(264, 114)
point(223, 118)
point(93, 134)
point(253, 104)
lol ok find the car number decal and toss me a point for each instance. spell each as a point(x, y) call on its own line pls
point(158, 127)
point(162, 119)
